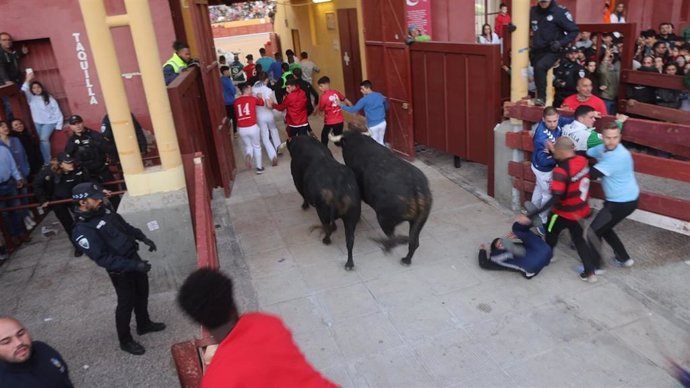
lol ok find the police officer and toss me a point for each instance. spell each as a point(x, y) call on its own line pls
point(112, 243)
point(566, 76)
point(552, 29)
point(25, 363)
point(55, 182)
point(90, 150)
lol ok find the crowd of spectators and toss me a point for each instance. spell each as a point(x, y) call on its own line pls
point(661, 52)
point(242, 11)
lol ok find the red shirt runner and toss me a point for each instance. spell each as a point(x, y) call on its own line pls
point(245, 110)
point(570, 185)
point(259, 352)
point(571, 102)
point(295, 103)
point(249, 70)
point(330, 104)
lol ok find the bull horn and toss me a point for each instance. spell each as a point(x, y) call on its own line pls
point(333, 138)
point(367, 133)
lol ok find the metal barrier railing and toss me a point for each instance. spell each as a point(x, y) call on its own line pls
point(10, 244)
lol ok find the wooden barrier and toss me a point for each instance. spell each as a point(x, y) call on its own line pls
point(639, 131)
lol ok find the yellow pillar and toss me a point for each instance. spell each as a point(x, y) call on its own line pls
point(108, 68)
point(519, 50)
point(170, 175)
point(146, 49)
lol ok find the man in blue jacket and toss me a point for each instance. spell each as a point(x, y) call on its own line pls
point(548, 130)
point(375, 106)
point(528, 257)
point(229, 92)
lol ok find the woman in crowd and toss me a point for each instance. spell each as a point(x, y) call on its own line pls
point(30, 143)
point(619, 15)
point(55, 182)
point(265, 119)
point(15, 146)
point(488, 36)
point(44, 111)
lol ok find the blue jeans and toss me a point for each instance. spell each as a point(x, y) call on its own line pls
point(44, 132)
point(611, 106)
point(13, 220)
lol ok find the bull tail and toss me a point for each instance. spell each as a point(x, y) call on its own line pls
point(390, 242)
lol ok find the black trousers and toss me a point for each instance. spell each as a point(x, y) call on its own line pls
point(555, 227)
point(132, 289)
point(609, 216)
point(106, 176)
point(327, 128)
point(542, 62)
point(298, 131)
point(64, 215)
point(230, 113)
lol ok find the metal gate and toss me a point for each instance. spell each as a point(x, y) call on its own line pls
point(388, 67)
point(456, 95)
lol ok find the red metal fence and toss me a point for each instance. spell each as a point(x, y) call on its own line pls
point(672, 138)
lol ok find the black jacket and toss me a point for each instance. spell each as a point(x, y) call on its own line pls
point(107, 131)
point(568, 72)
point(33, 153)
point(553, 24)
point(50, 185)
point(108, 240)
point(9, 67)
point(44, 369)
point(89, 150)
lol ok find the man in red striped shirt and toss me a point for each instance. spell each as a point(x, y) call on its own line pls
point(570, 190)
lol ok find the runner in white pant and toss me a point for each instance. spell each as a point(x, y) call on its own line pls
point(378, 132)
point(265, 119)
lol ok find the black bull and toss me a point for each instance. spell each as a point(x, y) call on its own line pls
point(394, 188)
point(328, 186)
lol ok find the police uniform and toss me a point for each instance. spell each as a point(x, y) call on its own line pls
point(112, 243)
point(51, 185)
point(44, 369)
point(552, 28)
point(565, 79)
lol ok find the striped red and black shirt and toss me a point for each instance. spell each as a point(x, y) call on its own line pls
point(570, 185)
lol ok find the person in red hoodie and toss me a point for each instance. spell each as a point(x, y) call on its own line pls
point(502, 20)
point(295, 105)
point(255, 349)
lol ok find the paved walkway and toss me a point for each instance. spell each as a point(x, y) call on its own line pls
point(441, 322)
point(444, 322)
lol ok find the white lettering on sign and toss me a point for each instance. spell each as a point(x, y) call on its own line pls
point(84, 65)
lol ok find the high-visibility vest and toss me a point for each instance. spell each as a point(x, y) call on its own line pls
point(177, 63)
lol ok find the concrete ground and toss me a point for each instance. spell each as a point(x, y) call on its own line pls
point(442, 322)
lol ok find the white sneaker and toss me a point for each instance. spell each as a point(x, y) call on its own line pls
point(47, 232)
point(29, 223)
point(628, 263)
point(599, 271)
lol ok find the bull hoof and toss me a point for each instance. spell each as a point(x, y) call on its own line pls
point(349, 267)
point(405, 261)
point(326, 240)
point(305, 205)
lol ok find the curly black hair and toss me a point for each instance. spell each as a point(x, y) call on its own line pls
point(206, 297)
